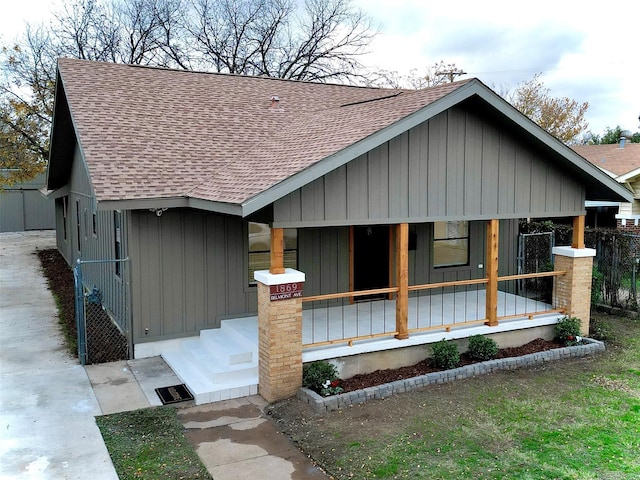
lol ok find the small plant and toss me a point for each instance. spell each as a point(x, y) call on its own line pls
point(482, 348)
point(320, 376)
point(445, 354)
point(567, 330)
point(331, 388)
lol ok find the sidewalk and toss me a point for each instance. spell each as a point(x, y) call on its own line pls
point(47, 405)
point(48, 401)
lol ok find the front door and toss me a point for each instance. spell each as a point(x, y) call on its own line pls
point(370, 257)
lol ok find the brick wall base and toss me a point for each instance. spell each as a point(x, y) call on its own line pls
point(630, 227)
point(280, 346)
point(573, 290)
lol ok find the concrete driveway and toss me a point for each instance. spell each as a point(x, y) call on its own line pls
point(47, 405)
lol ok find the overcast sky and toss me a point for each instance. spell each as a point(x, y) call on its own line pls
point(587, 51)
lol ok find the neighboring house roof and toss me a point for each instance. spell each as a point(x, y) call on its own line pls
point(151, 135)
point(613, 158)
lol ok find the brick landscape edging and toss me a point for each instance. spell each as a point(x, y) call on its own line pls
point(327, 404)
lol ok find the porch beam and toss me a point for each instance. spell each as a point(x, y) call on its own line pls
point(402, 279)
point(276, 264)
point(492, 273)
point(578, 232)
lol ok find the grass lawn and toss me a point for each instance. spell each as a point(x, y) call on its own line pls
point(150, 444)
point(571, 419)
point(575, 419)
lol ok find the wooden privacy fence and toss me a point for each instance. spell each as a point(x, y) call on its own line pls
point(338, 318)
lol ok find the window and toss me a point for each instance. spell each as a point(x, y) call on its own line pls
point(65, 217)
point(94, 222)
point(260, 248)
point(117, 224)
point(450, 244)
point(78, 226)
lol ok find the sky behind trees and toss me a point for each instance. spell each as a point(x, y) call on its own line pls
point(588, 53)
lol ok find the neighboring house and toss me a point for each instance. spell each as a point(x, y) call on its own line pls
point(23, 207)
point(621, 161)
point(195, 181)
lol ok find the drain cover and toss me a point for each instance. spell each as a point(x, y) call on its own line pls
point(174, 394)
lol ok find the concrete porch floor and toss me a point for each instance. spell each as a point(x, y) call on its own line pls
point(426, 310)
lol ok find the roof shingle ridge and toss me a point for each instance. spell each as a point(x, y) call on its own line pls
point(236, 75)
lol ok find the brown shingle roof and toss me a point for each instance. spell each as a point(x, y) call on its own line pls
point(612, 158)
point(156, 133)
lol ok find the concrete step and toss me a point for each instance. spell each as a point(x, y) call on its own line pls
point(218, 368)
point(200, 383)
point(228, 345)
point(220, 364)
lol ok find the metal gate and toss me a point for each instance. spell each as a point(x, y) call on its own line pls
point(535, 256)
point(102, 307)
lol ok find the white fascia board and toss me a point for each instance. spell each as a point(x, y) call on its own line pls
point(593, 203)
point(628, 176)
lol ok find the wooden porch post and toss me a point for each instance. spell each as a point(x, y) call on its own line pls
point(492, 273)
point(352, 272)
point(277, 251)
point(578, 232)
point(391, 259)
point(402, 278)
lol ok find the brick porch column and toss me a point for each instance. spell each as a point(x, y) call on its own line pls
point(279, 333)
point(573, 290)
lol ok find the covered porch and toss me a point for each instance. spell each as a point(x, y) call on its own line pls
point(294, 329)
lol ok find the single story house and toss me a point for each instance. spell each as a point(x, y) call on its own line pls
point(621, 161)
point(263, 223)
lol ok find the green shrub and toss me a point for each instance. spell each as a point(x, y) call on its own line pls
point(599, 330)
point(567, 330)
point(316, 374)
point(482, 348)
point(445, 354)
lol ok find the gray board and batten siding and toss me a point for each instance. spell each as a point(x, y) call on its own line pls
point(189, 272)
point(76, 238)
point(23, 207)
point(455, 166)
point(323, 255)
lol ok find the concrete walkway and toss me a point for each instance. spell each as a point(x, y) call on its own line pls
point(48, 401)
point(47, 405)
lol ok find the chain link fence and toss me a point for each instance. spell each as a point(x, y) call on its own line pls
point(102, 311)
point(535, 256)
point(616, 266)
point(615, 269)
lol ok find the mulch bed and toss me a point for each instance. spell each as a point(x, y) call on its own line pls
point(380, 377)
point(104, 341)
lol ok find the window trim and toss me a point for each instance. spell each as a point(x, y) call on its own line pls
point(434, 240)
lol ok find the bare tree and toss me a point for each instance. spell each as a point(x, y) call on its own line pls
point(319, 41)
point(436, 74)
point(322, 40)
